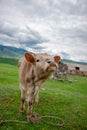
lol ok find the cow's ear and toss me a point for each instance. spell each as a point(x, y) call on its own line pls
point(29, 57)
point(57, 59)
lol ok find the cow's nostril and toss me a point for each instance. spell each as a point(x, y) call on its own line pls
point(49, 62)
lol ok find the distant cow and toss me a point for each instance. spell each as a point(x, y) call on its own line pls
point(33, 71)
point(61, 72)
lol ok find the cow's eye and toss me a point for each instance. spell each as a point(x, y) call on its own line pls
point(37, 60)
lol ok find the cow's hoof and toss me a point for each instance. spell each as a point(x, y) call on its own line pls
point(28, 118)
point(21, 112)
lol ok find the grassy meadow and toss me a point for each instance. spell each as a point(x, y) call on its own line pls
point(63, 99)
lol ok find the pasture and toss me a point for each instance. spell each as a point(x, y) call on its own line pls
point(63, 99)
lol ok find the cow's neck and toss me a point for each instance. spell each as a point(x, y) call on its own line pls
point(38, 79)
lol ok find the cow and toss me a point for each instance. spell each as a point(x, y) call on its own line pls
point(61, 72)
point(33, 71)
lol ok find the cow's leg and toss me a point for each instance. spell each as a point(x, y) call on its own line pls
point(30, 98)
point(22, 101)
point(29, 111)
point(36, 94)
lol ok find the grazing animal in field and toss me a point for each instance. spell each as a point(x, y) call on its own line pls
point(33, 71)
point(63, 69)
point(61, 72)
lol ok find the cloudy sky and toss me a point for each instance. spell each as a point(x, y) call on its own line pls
point(52, 26)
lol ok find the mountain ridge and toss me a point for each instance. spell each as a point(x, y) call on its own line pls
point(16, 53)
point(11, 52)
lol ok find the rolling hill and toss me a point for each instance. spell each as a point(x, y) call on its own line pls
point(16, 53)
point(11, 52)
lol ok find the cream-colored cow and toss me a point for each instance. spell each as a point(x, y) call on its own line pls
point(33, 71)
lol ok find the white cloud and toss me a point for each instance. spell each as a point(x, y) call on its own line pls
point(56, 27)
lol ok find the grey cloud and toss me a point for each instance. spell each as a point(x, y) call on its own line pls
point(32, 38)
point(17, 35)
point(65, 55)
point(47, 8)
point(38, 9)
point(70, 7)
point(55, 21)
point(74, 34)
point(8, 30)
point(78, 8)
point(36, 34)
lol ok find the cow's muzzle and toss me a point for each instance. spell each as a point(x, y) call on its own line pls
point(52, 66)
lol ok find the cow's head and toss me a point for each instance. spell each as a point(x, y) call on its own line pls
point(43, 62)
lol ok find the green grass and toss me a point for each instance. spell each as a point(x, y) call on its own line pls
point(9, 60)
point(65, 100)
